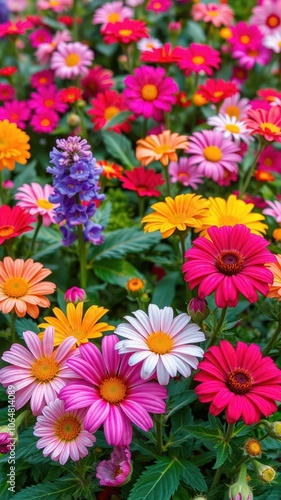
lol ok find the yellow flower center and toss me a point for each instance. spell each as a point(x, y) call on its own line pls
point(270, 98)
point(42, 203)
point(44, 369)
point(277, 428)
point(49, 103)
point(15, 287)
point(268, 474)
point(45, 122)
point(149, 92)
point(233, 111)
point(114, 17)
point(198, 59)
point(110, 112)
point(212, 153)
point(273, 21)
point(218, 93)
point(67, 427)
point(274, 129)
point(213, 13)
point(14, 116)
point(160, 342)
point(232, 128)
point(245, 39)
point(43, 80)
point(125, 32)
point(135, 284)
point(163, 148)
point(6, 231)
point(225, 33)
point(113, 390)
point(253, 447)
point(199, 100)
point(72, 59)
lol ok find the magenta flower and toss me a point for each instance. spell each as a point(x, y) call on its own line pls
point(38, 373)
point(185, 173)
point(239, 381)
point(232, 262)
point(6, 440)
point(112, 392)
point(62, 433)
point(44, 77)
point(214, 155)
point(45, 121)
point(75, 295)
point(47, 97)
point(15, 112)
point(115, 471)
point(199, 58)
point(71, 60)
point(149, 92)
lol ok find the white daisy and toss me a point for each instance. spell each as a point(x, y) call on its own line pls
point(163, 343)
point(149, 44)
point(230, 127)
point(273, 41)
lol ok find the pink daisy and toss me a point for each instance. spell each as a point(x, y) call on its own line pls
point(267, 16)
point(71, 60)
point(270, 160)
point(185, 173)
point(47, 96)
point(240, 381)
point(15, 112)
point(235, 106)
point(216, 14)
point(244, 36)
point(55, 6)
point(232, 261)
point(45, 50)
point(7, 92)
point(248, 57)
point(266, 123)
point(112, 12)
point(97, 80)
point(40, 36)
point(39, 372)
point(274, 210)
point(213, 154)
point(115, 471)
point(159, 5)
point(149, 92)
point(112, 392)
point(35, 199)
point(40, 78)
point(45, 121)
point(62, 433)
point(199, 58)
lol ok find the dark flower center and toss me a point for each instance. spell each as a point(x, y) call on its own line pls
point(230, 262)
point(239, 381)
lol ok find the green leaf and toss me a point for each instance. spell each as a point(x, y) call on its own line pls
point(191, 475)
point(115, 271)
point(158, 481)
point(222, 451)
point(123, 241)
point(164, 292)
point(24, 324)
point(145, 449)
point(64, 488)
point(204, 433)
point(103, 214)
point(119, 147)
point(26, 448)
point(179, 402)
point(120, 118)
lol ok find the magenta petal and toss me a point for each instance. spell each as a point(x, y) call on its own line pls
point(96, 415)
point(234, 409)
point(137, 414)
point(110, 355)
point(114, 427)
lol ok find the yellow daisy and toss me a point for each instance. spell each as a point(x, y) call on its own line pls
point(181, 213)
point(13, 145)
point(73, 324)
point(230, 212)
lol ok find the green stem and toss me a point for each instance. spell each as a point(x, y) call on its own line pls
point(168, 180)
point(141, 206)
point(272, 341)
point(82, 257)
point(74, 21)
point(2, 191)
point(251, 170)
point(158, 430)
point(218, 327)
point(36, 231)
point(227, 438)
point(182, 237)
point(12, 327)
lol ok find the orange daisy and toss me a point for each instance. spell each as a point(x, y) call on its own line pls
point(161, 147)
point(21, 287)
point(111, 170)
point(13, 145)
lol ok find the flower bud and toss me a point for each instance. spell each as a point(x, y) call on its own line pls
point(5, 442)
point(7, 184)
point(73, 120)
point(75, 295)
point(274, 429)
point(175, 27)
point(240, 490)
point(265, 473)
point(198, 309)
point(135, 288)
point(253, 448)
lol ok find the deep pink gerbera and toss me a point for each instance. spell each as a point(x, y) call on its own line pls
point(217, 90)
point(44, 77)
point(47, 97)
point(97, 80)
point(143, 181)
point(231, 262)
point(198, 57)
point(112, 392)
point(45, 121)
point(149, 92)
point(7, 92)
point(244, 36)
point(239, 381)
point(106, 106)
point(126, 31)
point(15, 112)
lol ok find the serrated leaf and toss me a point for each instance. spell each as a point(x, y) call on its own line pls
point(116, 272)
point(180, 401)
point(222, 451)
point(204, 433)
point(164, 292)
point(119, 147)
point(144, 449)
point(120, 118)
point(191, 475)
point(64, 488)
point(158, 481)
point(24, 324)
point(123, 241)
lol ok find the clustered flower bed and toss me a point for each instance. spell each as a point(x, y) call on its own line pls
point(140, 173)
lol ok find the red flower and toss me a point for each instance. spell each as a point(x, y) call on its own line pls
point(217, 90)
point(182, 100)
point(265, 122)
point(18, 28)
point(107, 105)
point(127, 31)
point(70, 95)
point(8, 70)
point(110, 170)
point(164, 55)
point(68, 20)
point(13, 222)
point(143, 181)
point(199, 57)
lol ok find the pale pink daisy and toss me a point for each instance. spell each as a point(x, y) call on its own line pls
point(267, 16)
point(217, 14)
point(214, 155)
point(62, 433)
point(39, 372)
point(248, 57)
point(115, 471)
point(230, 128)
point(185, 173)
point(16, 6)
point(134, 3)
point(45, 50)
point(273, 41)
point(235, 106)
point(112, 12)
point(112, 392)
point(164, 345)
point(274, 210)
point(71, 60)
point(55, 6)
point(149, 44)
point(35, 199)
